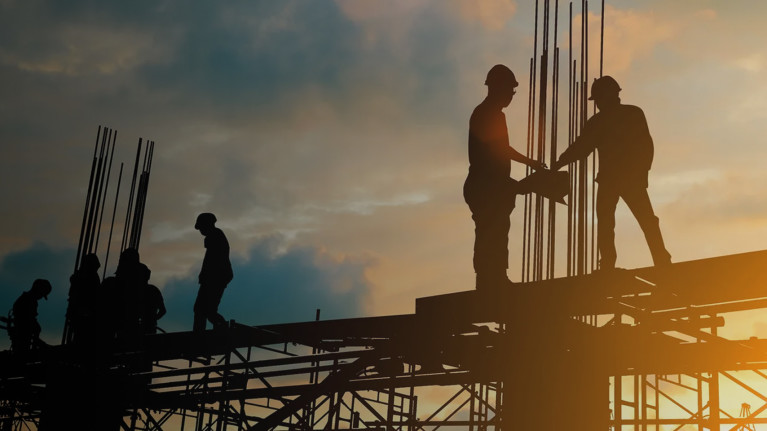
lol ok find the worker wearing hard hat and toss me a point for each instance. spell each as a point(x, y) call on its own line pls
point(489, 191)
point(620, 134)
point(215, 274)
point(25, 329)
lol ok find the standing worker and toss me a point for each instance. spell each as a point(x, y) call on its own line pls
point(620, 134)
point(215, 274)
point(25, 334)
point(489, 191)
point(151, 303)
point(84, 298)
point(120, 312)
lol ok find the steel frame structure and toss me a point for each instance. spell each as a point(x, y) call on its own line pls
point(631, 350)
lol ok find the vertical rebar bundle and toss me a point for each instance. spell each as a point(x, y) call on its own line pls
point(134, 216)
point(96, 199)
point(134, 220)
point(539, 246)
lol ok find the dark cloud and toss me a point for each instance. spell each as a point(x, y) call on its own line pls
point(248, 57)
point(253, 55)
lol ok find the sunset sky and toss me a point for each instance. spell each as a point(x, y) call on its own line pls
point(329, 138)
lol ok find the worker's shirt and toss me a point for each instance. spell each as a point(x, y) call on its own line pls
point(84, 292)
point(216, 267)
point(488, 145)
point(622, 139)
point(25, 309)
point(152, 306)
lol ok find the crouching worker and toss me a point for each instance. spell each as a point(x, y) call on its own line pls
point(25, 329)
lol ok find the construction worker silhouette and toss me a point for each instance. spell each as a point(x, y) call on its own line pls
point(84, 298)
point(25, 332)
point(622, 139)
point(488, 190)
point(121, 313)
point(215, 274)
point(151, 304)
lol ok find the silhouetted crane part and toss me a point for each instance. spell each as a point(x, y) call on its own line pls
point(502, 360)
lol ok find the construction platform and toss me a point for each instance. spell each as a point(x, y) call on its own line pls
point(598, 347)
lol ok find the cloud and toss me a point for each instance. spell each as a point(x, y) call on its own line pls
point(278, 284)
point(752, 63)
point(281, 118)
point(723, 212)
point(112, 51)
point(256, 109)
point(372, 10)
point(492, 15)
point(629, 36)
point(729, 198)
point(82, 39)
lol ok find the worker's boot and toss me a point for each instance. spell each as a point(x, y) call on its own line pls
point(661, 258)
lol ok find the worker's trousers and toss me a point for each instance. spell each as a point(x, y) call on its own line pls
point(638, 201)
point(206, 306)
point(491, 206)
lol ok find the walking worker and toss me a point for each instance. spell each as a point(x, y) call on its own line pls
point(25, 333)
point(215, 274)
point(622, 139)
point(489, 190)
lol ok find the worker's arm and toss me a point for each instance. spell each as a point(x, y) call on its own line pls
point(160, 311)
point(582, 147)
point(521, 158)
point(644, 141)
point(160, 304)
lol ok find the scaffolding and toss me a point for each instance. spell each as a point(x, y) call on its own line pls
point(652, 360)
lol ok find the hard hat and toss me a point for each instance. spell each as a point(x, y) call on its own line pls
point(91, 261)
point(205, 219)
point(129, 256)
point(500, 75)
point(43, 286)
point(127, 262)
point(604, 86)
